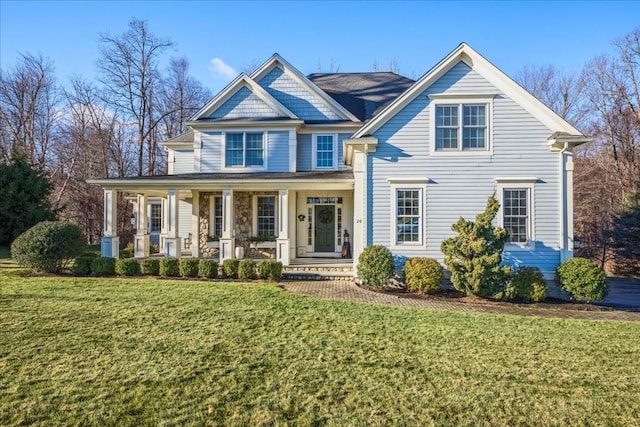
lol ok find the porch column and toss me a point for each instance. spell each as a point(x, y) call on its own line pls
point(227, 242)
point(282, 242)
point(172, 241)
point(195, 224)
point(359, 234)
point(110, 242)
point(141, 239)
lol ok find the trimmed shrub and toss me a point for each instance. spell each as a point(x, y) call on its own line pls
point(583, 279)
point(91, 254)
point(127, 267)
point(189, 267)
point(103, 266)
point(375, 265)
point(153, 249)
point(49, 246)
point(126, 253)
point(170, 267)
point(208, 268)
point(150, 266)
point(270, 270)
point(423, 275)
point(230, 268)
point(526, 284)
point(82, 265)
point(247, 269)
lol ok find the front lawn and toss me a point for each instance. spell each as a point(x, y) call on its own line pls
point(82, 351)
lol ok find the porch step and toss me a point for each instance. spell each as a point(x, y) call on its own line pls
point(320, 271)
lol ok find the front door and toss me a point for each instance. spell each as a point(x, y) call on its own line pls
point(325, 220)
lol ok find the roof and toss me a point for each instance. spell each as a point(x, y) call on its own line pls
point(183, 137)
point(363, 94)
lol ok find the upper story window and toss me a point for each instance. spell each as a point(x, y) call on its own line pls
point(244, 149)
point(461, 127)
point(325, 153)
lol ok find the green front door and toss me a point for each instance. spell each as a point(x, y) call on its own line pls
point(325, 220)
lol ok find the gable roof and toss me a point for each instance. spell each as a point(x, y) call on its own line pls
point(238, 83)
point(291, 71)
point(487, 70)
point(364, 94)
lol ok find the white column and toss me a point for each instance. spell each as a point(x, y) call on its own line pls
point(141, 239)
point(282, 242)
point(110, 242)
point(227, 241)
point(195, 224)
point(359, 232)
point(293, 151)
point(569, 204)
point(172, 242)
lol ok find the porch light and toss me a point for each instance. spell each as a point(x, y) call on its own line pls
point(133, 219)
point(576, 242)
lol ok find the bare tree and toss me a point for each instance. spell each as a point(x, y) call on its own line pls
point(128, 67)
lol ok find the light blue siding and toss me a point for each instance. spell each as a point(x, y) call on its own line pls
point(183, 161)
point(460, 185)
point(304, 153)
point(278, 152)
point(295, 97)
point(244, 103)
point(211, 154)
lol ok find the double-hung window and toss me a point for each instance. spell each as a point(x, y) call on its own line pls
point(461, 126)
point(215, 226)
point(408, 214)
point(244, 149)
point(516, 197)
point(155, 217)
point(265, 216)
point(324, 151)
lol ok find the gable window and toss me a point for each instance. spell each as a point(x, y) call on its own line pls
point(244, 149)
point(324, 151)
point(215, 225)
point(461, 127)
point(265, 216)
point(516, 197)
point(155, 218)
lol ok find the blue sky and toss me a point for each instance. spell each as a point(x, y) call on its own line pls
point(220, 38)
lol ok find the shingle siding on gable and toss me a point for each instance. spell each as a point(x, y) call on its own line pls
point(244, 103)
point(295, 97)
point(459, 185)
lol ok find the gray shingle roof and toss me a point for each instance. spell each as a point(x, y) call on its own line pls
point(312, 175)
point(364, 94)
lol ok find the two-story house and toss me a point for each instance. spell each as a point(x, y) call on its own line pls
point(376, 158)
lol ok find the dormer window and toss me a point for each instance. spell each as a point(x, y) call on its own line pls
point(325, 154)
point(244, 149)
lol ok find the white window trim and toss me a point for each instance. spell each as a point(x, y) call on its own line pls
point(265, 151)
point(254, 230)
point(503, 183)
point(408, 184)
point(212, 214)
point(457, 99)
point(314, 152)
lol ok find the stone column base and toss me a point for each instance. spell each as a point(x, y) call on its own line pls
point(172, 247)
point(141, 246)
point(110, 246)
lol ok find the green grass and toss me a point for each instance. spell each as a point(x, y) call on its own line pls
point(81, 351)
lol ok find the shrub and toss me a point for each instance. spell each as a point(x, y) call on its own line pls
point(473, 256)
point(82, 265)
point(583, 279)
point(270, 269)
point(247, 269)
point(375, 265)
point(126, 253)
point(127, 267)
point(526, 284)
point(153, 249)
point(170, 267)
point(103, 266)
point(423, 274)
point(208, 268)
point(49, 246)
point(230, 268)
point(150, 266)
point(189, 267)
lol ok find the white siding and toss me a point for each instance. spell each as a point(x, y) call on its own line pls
point(184, 221)
point(183, 161)
point(211, 155)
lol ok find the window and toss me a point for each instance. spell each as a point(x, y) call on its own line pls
point(215, 226)
point(324, 153)
point(266, 216)
point(515, 214)
point(408, 214)
point(244, 149)
point(461, 127)
point(155, 220)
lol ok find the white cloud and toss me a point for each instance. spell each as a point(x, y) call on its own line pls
point(221, 70)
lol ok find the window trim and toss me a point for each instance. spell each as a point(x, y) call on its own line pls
point(150, 222)
point(408, 184)
point(244, 168)
point(314, 151)
point(212, 213)
point(461, 100)
point(527, 183)
point(254, 231)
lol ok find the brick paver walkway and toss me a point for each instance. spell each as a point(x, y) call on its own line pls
point(348, 291)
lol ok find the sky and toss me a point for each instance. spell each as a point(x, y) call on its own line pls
point(221, 39)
